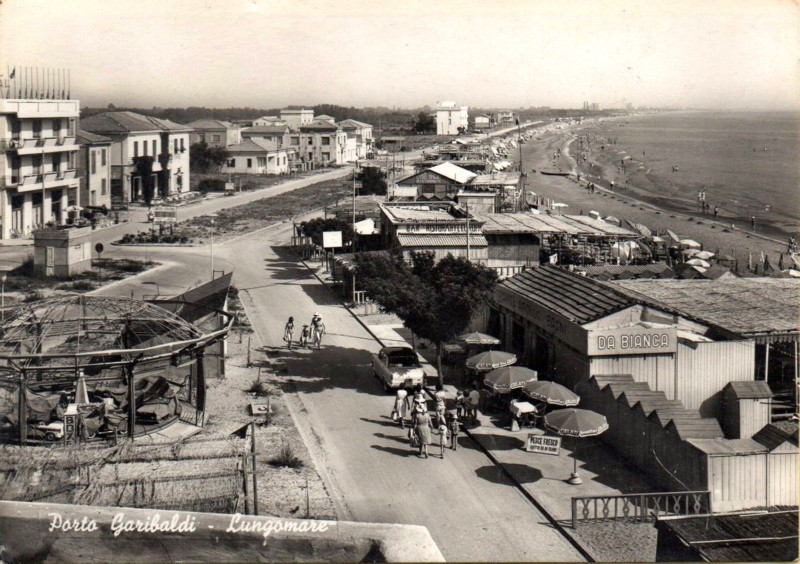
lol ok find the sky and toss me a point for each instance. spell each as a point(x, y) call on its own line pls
point(725, 54)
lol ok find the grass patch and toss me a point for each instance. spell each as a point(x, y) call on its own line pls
point(286, 458)
point(77, 286)
point(259, 388)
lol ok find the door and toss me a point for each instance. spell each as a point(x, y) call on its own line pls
point(49, 262)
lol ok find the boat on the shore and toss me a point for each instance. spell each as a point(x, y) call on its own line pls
point(555, 172)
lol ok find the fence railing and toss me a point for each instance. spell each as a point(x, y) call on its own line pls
point(638, 507)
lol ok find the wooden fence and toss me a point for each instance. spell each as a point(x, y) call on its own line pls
point(639, 507)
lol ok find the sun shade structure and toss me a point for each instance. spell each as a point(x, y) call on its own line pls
point(122, 366)
point(509, 378)
point(478, 339)
point(490, 360)
point(551, 393)
point(576, 422)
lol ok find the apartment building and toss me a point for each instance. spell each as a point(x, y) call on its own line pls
point(269, 120)
point(94, 169)
point(362, 134)
point(38, 163)
point(296, 118)
point(214, 132)
point(449, 118)
point(272, 133)
point(149, 156)
point(322, 143)
point(257, 156)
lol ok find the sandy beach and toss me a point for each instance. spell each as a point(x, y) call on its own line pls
point(657, 213)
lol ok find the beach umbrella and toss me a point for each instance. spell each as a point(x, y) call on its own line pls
point(509, 378)
point(767, 265)
point(780, 262)
point(698, 262)
point(700, 269)
point(749, 261)
point(705, 255)
point(490, 360)
point(551, 393)
point(476, 338)
point(690, 252)
point(673, 236)
point(611, 219)
point(691, 243)
point(81, 393)
point(576, 423)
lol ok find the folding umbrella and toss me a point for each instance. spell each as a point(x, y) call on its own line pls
point(698, 262)
point(576, 423)
point(508, 378)
point(705, 255)
point(690, 243)
point(490, 360)
point(478, 339)
point(551, 393)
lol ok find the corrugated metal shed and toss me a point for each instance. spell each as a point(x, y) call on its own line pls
point(657, 269)
point(505, 223)
point(452, 172)
point(728, 446)
point(438, 240)
point(496, 179)
point(740, 537)
point(767, 309)
point(577, 298)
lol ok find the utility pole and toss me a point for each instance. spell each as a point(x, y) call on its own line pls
point(468, 254)
point(354, 210)
point(521, 170)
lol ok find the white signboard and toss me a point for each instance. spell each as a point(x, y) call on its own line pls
point(331, 239)
point(230, 186)
point(544, 444)
point(165, 214)
point(632, 340)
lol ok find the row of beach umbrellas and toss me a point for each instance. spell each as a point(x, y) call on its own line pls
point(503, 377)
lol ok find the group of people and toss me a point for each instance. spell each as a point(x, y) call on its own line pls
point(445, 422)
point(310, 333)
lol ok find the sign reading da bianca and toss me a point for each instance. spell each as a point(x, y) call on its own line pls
point(632, 340)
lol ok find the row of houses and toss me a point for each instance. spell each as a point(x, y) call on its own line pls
point(296, 140)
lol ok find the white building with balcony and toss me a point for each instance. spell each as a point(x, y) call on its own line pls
point(449, 118)
point(149, 156)
point(38, 163)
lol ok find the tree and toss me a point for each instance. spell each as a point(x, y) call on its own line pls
point(373, 181)
point(203, 158)
point(425, 123)
point(435, 300)
point(315, 227)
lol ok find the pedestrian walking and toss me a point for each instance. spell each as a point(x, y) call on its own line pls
point(474, 399)
point(439, 396)
point(753, 223)
point(422, 428)
point(716, 211)
point(402, 405)
point(460, 403)
point(454, 426)
point(443, 434)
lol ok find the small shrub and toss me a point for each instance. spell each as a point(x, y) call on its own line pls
point(211, 185)
point(286, 458)
point(78, 286)
point(259, 388)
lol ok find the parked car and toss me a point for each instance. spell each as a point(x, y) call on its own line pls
point(51, 432)
point(397, 367)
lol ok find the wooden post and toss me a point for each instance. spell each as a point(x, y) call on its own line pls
point(308, 500)
point(249, 364)
point(244, 484)
point(253, 462)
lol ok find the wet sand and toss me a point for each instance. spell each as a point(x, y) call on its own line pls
point(638, 205)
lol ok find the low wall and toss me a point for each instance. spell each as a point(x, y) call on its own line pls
point(41, 532)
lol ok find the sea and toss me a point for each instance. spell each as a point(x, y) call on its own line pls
point(747, 163)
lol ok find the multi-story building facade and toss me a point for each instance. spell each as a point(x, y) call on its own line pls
point(322, 143)
point(256, 156)
point(268, 120)
point(272, 133)
point(505, 117)
point(449, 118)
point(214, 133)
point(94, 169)
point(149, 156)
point(362, 133)
point(296, 118)
point(38, 163)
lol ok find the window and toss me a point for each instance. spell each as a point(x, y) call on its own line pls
point(56, 127)
point(215, 138)
point(310, 140)
point(175, 144)
point(37, 128)
point(262, 161)
point(231, 163)
point(294, 141)
point(144, 147)
point(135, 148)
point(94, 162)
point(103, 187)
point(326, 140)
point(155, 150)
point(249, 163)
point(183, 148)
point(326, 156)
point(102, 157)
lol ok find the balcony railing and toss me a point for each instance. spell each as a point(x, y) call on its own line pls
point(638, 507)
point(68, 174)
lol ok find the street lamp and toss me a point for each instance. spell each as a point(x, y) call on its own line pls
point(3, 276)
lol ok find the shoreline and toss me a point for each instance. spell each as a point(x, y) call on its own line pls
point(657, 213)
